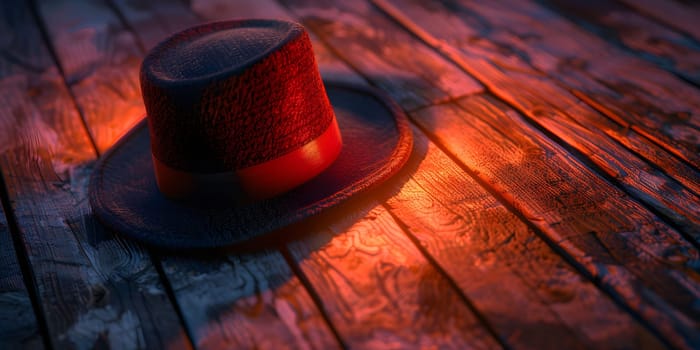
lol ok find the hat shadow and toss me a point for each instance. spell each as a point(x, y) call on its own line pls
point(341, 217)
point(264, 264)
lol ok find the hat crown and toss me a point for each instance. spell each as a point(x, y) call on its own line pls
point(227, 50)
point(230, 95)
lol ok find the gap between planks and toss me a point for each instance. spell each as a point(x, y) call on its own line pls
point(24, 269)
point(684, 220)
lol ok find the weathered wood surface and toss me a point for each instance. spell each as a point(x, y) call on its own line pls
point(97, 55)
point(246, 301)
point(560, 113)
point(19, 328)
point(229, 306)
point(358, 323)
point(566, 325)
point(18, 324)
point(632, 92)
point(509, 239)
point(599, 200)
point(679, 14)
point(627, 324)
point(623, 247)
point(636, 32)
point(500, 264)
point(380, 292)
point(394, 61)
point(95, 290)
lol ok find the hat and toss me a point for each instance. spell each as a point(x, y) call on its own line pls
point(242, 138)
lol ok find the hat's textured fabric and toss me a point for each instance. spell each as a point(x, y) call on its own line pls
point(230, 95)
point(124, 195)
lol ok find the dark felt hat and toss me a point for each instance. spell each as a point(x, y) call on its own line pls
point(242, 139)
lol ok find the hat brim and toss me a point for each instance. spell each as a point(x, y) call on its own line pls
point(124, 196)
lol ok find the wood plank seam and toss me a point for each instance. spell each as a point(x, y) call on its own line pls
point(284, 250)
point(453, 55)
point(167, 286)
point(603, 83)
point(610, 130)
point(23, 260)
point(156, 260)
point(465, 299)
point(126, 24)
point(521, 217)
point(659, 18)
point(479, 315)
point(607, 292)
point(598, 107)
point(544, 237)
point(664, 216)
point(617, 120)
point(593, 29)
point(34, 10)
point(316, 297)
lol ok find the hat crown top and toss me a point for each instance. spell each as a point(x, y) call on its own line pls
point(216, 52)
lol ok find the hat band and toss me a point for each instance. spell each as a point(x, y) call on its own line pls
point(257, 182)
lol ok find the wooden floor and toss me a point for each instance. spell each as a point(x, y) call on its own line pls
point(552, 200)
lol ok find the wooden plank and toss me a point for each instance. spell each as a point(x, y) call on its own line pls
point(247, 301)
point(643, 36)
point(153, 21)
point(232, 328)
point(591, 306)
point(224, 304)
point(358, 330)
point(380, 292)
point(95, 290)
point(682, 15)
point(18, 324)
point(502, 266)
point(410, 72)
point(561, 114)
point(97, 55)
point(631, 92)
point(627, 250)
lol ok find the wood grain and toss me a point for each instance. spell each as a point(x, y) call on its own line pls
point(397, 328)
point(559, 112)
point(18, 324)
point(225, 304)
point(483, 245)
point(393, 60)
point(95, 290)
point(98, 56)
point(380, 292)
point(632, 92)
point(557, 316)
point(153, 21)
point(254, 300)
point(635, 32)
point(682, 15)
point(501, 265)
point(247, 301)
point(624, 248)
